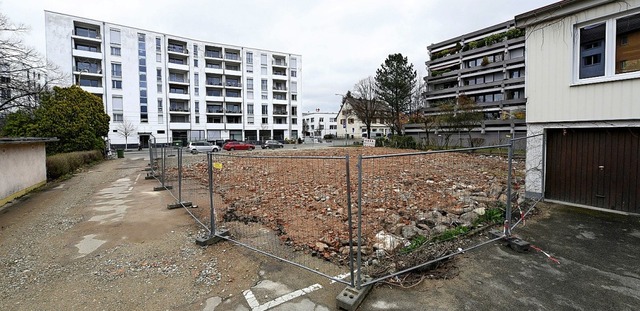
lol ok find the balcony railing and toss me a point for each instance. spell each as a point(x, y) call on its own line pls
point(177, 61)
point(279, 73)
point(217, 94)
point(212, 54)
point(88, 69)
point(214, 110)
point(179, 108)
point(178, 91)
point(233, 95)
point(177, 49)
point(178, 79)
point(232, 56)
point(234, 83)
point(234, 110)
point(87, 33)
point(279, 88)
point(214, 82)
point(280, 112)
point(214, 66)
point(279, 62)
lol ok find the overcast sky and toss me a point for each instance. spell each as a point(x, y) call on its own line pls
point(341, 41)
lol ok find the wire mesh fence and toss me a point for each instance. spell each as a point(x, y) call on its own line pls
point(355, 220)
point(287, 207)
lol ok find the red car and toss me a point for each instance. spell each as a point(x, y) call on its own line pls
point(238, 145)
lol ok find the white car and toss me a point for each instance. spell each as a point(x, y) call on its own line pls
point(202, 146)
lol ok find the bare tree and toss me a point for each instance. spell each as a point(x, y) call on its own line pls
point(24, 74)
point(364, 103)
point(461, 116)
point(126, 129)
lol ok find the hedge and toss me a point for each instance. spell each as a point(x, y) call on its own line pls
point(62, 164)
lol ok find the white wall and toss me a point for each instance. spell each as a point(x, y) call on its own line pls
point(22, 167)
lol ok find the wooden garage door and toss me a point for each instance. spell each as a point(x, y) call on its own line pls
point(594, 167)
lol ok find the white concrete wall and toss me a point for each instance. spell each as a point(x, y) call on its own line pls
point(22, 167)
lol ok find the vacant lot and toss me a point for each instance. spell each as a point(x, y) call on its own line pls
point(303, 195)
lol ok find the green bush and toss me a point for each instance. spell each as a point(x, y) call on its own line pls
point(403, 142)
point(62, 164)
point(329, 136)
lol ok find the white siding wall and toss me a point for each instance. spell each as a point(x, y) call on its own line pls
point(551, 97)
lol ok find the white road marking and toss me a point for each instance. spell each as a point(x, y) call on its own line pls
point(137, 177)
point(255, 305)
point(342, 276)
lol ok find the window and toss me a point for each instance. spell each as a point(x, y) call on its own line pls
point(249, 58)
point(116, 103)
point(294, 87)
point(265, 109)
point(294, 62)
point(333, 127)
point(196, 91)
point(117, 117)
point(250, 109)
point(294, 121)
point(263, 59)
point(249, 84)
point(115, 51)
point(263, 71)
point(196, 79)
point(609, 48)
point(321, 119)
point(264, 84)
point(265, 96)
point(294, 73)
point(197, 119)
point(195, 63)
point(116, 84)
point(114, 34)
point(249, 94)
point(294, 97)
point(160, 106)
point(265, 120)
point(332, 119)
point(116, 70)
point(158, 44)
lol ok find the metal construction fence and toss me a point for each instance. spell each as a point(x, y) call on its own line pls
point(356, 219)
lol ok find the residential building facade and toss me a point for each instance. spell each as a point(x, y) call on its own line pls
point(583, 111)
point(486, 65)
point(170, 88)
point(320, 124)
point(350, 126)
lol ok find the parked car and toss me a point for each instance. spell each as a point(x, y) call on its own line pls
point(272, 144)
point(202, 146)
point(238, 145)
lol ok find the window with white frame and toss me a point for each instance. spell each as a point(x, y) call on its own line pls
point(114, 34)
point(609, 49)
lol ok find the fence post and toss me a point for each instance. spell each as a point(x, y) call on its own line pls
point(359, 280)
point(179, 175)
point(214, 235)
point(212, 217)
point(350, 222)
point(509, 186)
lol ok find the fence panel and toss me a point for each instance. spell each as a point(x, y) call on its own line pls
point(414, 204)
point(285, 207)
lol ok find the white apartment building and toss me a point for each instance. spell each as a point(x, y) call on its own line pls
point(319, 124)
point(173, 88)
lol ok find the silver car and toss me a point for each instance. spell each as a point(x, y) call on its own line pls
point(202, 146)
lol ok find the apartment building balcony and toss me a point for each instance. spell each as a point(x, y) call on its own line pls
point(177, 49)
point(95, 71)
point(213, 54)
point(214, 95)
point(215, 109)
point(234, 69)
point(179, 93)
point(214, 82)
point(235, 125)
point(234, 111)
point(93, 89)
point(87, 54)
point(233, 84)
point(279, 88)
point(279, 62)
point(280, 112)
point(232, 56)
point(279, 99)
point(178, 79)
point(90, 35)
point(179, 107)
point(176, 64)
point(280, 73)
point(213, 67)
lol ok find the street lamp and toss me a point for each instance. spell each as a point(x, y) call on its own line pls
point(80, 75)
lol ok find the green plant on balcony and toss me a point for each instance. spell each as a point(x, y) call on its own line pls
point(485, 61)
point(514, 33)
point(520, 115)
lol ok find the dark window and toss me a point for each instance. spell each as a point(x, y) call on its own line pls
point(592, 51)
